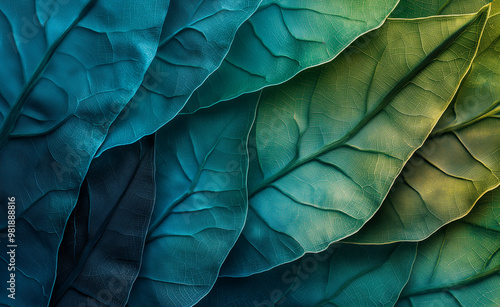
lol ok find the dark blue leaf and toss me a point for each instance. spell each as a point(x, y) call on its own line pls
point(100, 255)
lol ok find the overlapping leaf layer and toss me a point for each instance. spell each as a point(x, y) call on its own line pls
point(250, 153)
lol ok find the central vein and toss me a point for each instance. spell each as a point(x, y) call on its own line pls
point(295, 163)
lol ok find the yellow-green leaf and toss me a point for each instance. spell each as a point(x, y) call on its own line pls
point(457, 164)
point(331, 142)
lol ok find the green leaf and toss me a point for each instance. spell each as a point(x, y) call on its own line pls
point(285, 37)
point(425, 8)
point(195, 39)
point(459, 265)
point(458, 163)
point(479, 95)
point(342, 275)
point(44, 172)
point(107, 229)
point(201, 204)
point(332, 141)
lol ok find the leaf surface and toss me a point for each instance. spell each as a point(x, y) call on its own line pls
point(458, 163)
point(342, 275)
point(459, 265)
point(283, 38)
point(195, 38)
point(107, 229)
point(425, 8)
point(44, 171)
point(332, 141)
point(201, 204)
point(50, 68)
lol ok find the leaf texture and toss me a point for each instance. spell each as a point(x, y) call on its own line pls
point(195, 38)
point(342, 275)
point(458, 163)
point(44, 172)
point(459, 265)
point(201, 204)
point(107, 229)
point(425, 8)
point(332, 141)
point(49, 63)
point(285, 37)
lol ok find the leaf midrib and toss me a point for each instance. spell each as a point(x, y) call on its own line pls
point(17, 108)
point(295, 163)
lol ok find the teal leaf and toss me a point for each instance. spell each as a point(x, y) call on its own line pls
point(106, 231)
point(425, 8)
point(285, 37)
point(342, 275)
point(460, 264)
point(331, 142)
point(201, 204)
point(49, 64)
point(457, 164)
point(44, 171)
point(195, 38)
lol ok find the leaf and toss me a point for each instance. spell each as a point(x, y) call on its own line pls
point(195, 38)
point(285, 37)
point(107, 229)
point(425, 8)
point(459, 265)
point(44, 172)
point(332, 141)
point(201, 204)
point(342, 275)
point(479, 94)
point(60, 59)
point(458, 163)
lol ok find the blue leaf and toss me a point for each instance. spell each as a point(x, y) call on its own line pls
point(72, 61)
point(59, 61)
point(201, 204)
point(106, 231)
point(196, 37)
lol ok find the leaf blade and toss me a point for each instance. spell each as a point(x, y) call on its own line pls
point(435, 279)
point(195, 38)
point(107, 229)
point(283, 38)
point(416, 9)
point(50, 167)
point(457, 164)
point(339, 276)
point(321, 175)
point(201, 204)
